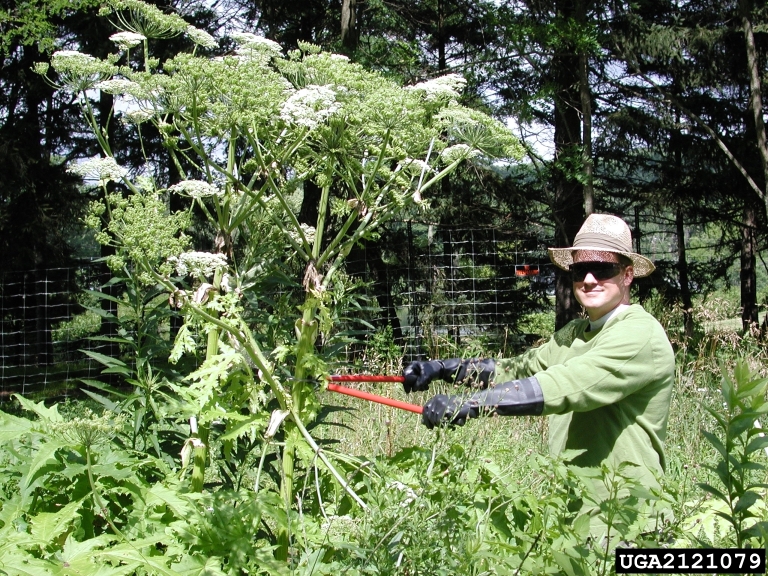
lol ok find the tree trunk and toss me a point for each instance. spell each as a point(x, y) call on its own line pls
point(585, 95)
point(755, 92)
point(568, 200)
point(349, 32)
point(748, 276)
point(682, 270)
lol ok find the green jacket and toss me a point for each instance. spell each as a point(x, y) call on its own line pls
point(607, 392)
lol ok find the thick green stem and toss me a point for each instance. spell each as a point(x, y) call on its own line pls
point(200, 450)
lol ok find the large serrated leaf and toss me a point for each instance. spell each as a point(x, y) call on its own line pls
point(160, 494)
point(11, 427)
point(199, 566)
point(19, 563)
point(47, 526)
point(51, 414)
point(45, 454)
point(256, 421)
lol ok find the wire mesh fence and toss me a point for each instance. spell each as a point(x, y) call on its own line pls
point(433, 288)
point(44, 327)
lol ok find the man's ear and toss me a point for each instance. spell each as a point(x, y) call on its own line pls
point(629, 275)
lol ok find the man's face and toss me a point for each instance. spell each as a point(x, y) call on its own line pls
point(600, 282)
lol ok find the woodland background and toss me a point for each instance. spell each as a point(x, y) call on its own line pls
point(650, 110)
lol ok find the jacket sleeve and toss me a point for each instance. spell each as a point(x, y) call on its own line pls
point(538, 359)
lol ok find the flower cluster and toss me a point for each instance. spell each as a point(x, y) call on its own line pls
point(89, 430)
point(307, 230)
point(198, 264)
point(126, 40)
point(448, 86)
point(201, 37)
point(136, 116)
point(101, 169)
point(414, 166)
point(458, 152)
point(79, 72)
point(196, 189)
point(310, 106)
point(120, 86)
point(248, 41)
point(145, 19)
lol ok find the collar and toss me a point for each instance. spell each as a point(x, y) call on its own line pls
point(600, 322)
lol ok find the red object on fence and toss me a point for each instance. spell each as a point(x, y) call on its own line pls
point(367, 395)
point(526, 270)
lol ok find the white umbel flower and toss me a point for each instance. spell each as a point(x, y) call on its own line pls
point(201, 37)
point(136, 116)
point(101, 169)
point(414, 166)
point(448, 86)
point(254, 42)
point(119, 87)
point(196, 189)
point(310, 106)
point(126, 40)
point(458, 152)
point(198, 264)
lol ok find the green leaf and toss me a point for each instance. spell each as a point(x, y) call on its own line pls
point(715, 441)
point(78, 558)
point(131, 553)
point(745, 501)
point(104, 296)
point(106, 402)
point(714, 491)
point(107, 361)
point(199, 566)
point(717, 416)
point(756, 444)
point(753, 388)
point(11, 427)
point(726, 388)
point(45, 454)
point(741, 424)
point(256, 421)
point(159, 494)
point(569, 565)
point(19, 563)
point(47, 526)
point(50, 414)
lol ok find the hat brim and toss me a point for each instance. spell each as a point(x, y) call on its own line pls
point(563, 258)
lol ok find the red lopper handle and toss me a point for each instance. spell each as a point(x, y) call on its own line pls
point(375, 398)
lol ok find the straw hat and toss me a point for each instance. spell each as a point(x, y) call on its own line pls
point(603, 233)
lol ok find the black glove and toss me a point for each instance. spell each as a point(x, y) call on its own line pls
point(419, 374)
point(449, 410)
point(515, 398)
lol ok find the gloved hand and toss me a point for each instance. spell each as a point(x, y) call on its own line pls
point(473, 371)
point(522, 397)
point(418, 375)
point(447, 410)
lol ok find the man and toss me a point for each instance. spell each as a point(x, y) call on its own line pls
point(605, 382)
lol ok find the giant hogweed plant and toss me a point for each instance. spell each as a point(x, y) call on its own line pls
point(247, 132)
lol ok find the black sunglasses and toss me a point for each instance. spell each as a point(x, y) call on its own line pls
point(600, 270)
